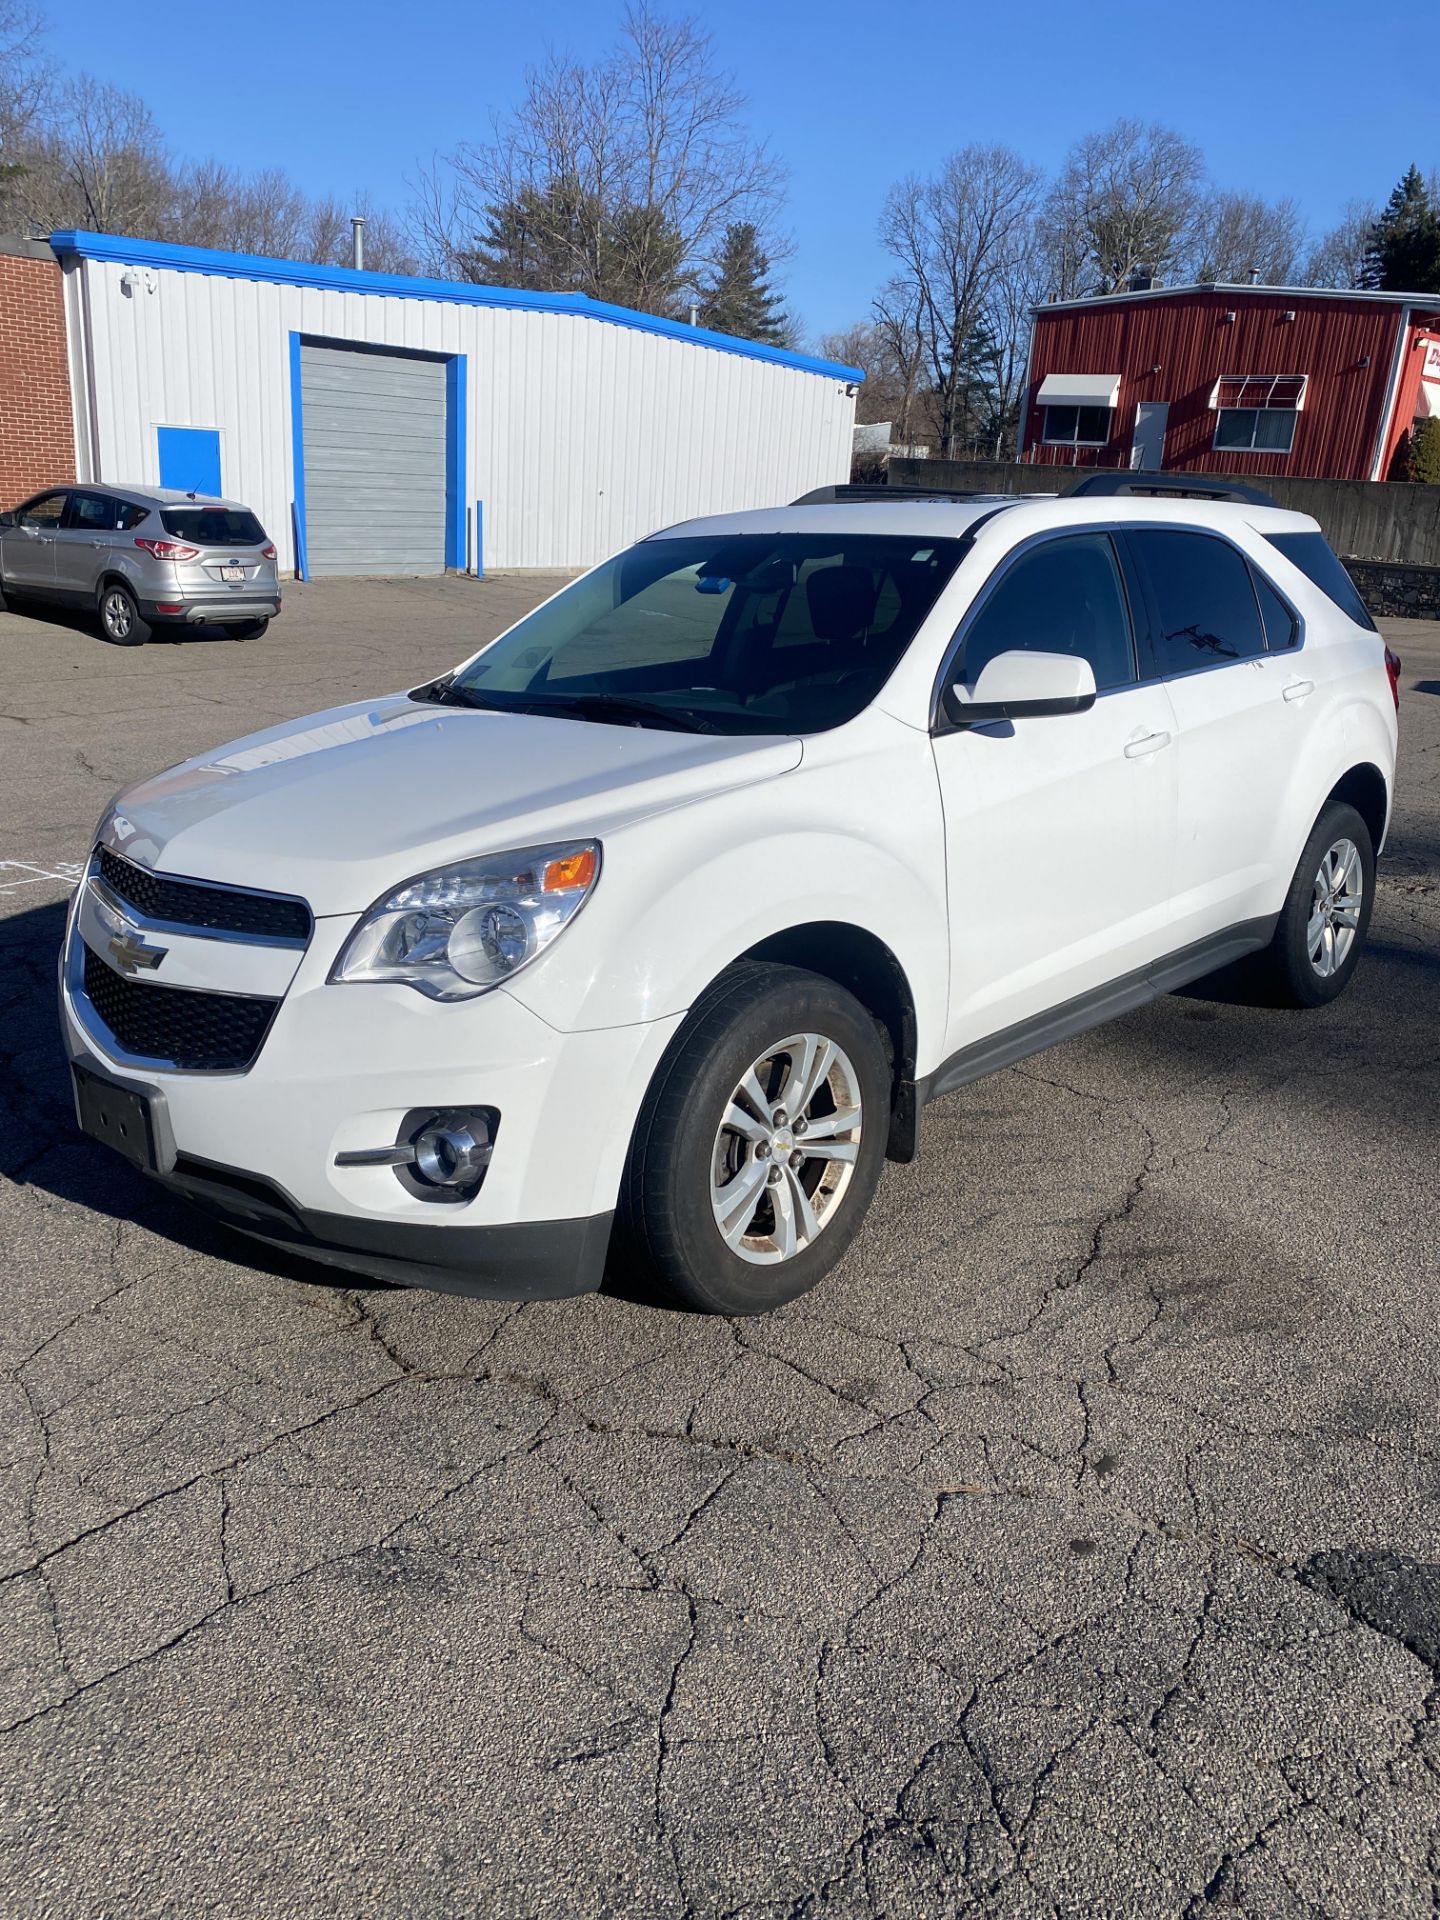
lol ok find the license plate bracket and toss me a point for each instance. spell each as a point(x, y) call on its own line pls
point(116, 1115)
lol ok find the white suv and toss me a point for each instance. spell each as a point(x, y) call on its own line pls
point(661, 919)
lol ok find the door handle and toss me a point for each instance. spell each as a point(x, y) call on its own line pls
point(97, 543)
point(1147, 744)
point(1299, 689)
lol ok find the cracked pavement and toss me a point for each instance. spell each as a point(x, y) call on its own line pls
point(1071, 1551)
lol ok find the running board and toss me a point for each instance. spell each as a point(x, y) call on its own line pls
point(1093, 1009)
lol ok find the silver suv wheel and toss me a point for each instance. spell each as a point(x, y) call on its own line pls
point(1337, 900)
point(786, 1148)
point(117, 612)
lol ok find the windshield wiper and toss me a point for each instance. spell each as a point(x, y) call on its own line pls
point(618, 707)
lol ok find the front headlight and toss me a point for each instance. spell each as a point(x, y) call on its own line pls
point(464, 929)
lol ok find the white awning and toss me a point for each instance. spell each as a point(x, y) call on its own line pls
point(1427, 407)
point(1079, 390)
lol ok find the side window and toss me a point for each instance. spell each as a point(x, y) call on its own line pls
point(1064, 596)
point(44, 512)
point(1203, 598)
point(1312, 553)
point(128, 515)
point(91, 513)
point(1282, 629)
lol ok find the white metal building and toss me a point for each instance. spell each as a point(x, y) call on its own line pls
point(379, 424)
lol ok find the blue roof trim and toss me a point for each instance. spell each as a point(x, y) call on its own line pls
point(302, 273)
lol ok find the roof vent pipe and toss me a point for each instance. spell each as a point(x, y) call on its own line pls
point(1254, 276)
point(357, 241)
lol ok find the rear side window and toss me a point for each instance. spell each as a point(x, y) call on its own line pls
point(1282, 629)
point(1204, 602)
point(1312, 554)
point(129, 515)
point(1064, 596)
point(213, 526)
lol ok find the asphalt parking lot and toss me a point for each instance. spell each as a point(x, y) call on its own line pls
point(1075, 1550)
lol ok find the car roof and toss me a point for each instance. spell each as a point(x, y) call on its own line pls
point(934, 518)
point(149, 496)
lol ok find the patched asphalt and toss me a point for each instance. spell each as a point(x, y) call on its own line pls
point(1074, 1550)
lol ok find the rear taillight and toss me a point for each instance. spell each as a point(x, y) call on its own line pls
point(1392, 668)
point(267, 553)
point(168, 549)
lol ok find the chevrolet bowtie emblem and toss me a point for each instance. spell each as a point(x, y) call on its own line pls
point(131, 951)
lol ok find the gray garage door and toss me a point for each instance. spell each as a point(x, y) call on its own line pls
point(374, 426)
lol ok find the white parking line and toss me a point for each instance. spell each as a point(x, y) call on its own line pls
point(16, 875)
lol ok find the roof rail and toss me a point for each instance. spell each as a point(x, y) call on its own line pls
point(1186, 486)
point(827, 496)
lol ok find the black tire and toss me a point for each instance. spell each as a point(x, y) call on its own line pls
point(666, 1215)
point(1290, 976)
point(247, 629)
point(120, 620)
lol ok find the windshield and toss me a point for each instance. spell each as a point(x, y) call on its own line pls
point(761, 633)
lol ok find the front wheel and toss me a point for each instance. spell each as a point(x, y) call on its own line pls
point(1326, 914)
point(120, 619)
point(761, 1141)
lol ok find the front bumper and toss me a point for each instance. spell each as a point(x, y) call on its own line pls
point(339, 1070)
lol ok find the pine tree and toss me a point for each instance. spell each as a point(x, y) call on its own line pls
point(739, 299)
point(1402, 254)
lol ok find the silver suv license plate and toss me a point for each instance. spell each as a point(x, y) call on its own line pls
point(232, 573)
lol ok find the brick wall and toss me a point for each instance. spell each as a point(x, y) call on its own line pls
point(37, 433)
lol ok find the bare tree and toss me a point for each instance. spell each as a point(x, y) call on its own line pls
point(1126, 203)
point(99, 162)
point(1339, 258)
point(1240, 233)
point(617, 179)
point(955, 237)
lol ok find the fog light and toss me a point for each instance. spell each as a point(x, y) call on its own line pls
point(453, 1151)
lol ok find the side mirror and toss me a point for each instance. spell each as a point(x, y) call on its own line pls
point(1022, 686)
point(7, 519)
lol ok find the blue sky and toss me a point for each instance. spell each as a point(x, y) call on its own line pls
point(1317, 100)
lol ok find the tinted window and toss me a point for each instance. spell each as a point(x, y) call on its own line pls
point(91, 513)
point(1312, 553)
point(1204, 601)
point(44, 512)
point(214, 526)
point(128, 515)
point(761, 633)
point(1282, 629)
point(1064, 596)
point(1077, 426)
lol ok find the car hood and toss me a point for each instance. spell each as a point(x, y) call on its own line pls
point(343, 806)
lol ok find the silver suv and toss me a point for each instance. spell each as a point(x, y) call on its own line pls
point(142, 558)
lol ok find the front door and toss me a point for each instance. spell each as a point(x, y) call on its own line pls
point(1147, 449)
point(27, 558)
point(1059, 830)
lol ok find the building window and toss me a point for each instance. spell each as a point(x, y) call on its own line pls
point(1256, 413)
point(1077, 426)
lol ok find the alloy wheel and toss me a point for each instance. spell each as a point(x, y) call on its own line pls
point(117, 615)
point(1338, 896)
point(786, 1148)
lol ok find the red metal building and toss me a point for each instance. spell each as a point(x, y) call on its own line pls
point(1224, 379)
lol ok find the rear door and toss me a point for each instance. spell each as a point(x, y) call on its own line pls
point(1059, 831)
point(1204, 641)
point(27, 556)
point(84, 542)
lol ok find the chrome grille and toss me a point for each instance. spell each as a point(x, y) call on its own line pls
point(178, 1026)
point(204, 905)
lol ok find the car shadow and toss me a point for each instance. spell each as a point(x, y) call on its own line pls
point(1425, 686)
point(84, 620)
